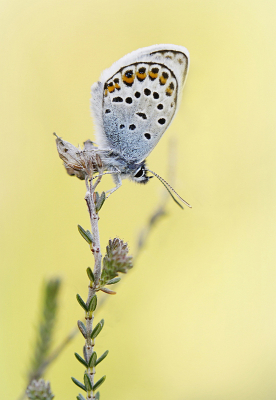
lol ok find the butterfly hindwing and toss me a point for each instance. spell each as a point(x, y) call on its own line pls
point(139, 96)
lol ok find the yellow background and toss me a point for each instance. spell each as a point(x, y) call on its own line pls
point(196, 318)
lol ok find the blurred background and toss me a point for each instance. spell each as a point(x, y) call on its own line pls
point(196, 317)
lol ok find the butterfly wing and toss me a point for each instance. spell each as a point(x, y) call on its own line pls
point(136, 99)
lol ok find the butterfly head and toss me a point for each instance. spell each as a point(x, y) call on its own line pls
point(139, 174)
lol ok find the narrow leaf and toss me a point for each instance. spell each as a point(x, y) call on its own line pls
point(85, 234)
point(82, 329)
point(81, 303)
point(108, 291)
point(112, 281)
point(90, 274)
point(80, 397)
point(100, 202)
point(98, 384)
point(97, 329)
point(87, 383)
point(78, 383)
point(85, 355)
point(92, 361)
point(97, 396)
point(102, 357)
point(89, 234)
point(81, 360)
point(93, 304)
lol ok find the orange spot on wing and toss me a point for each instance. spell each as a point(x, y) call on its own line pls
point(153, 75)
point(169, 91)
point(141, 76)
point(111, 87)
point(128, 80)
point(162, 80)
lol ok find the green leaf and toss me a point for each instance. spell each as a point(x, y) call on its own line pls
point(93, 304)
point(85, 234)
point(102, 357)
point(90, 274)
point(97, 329)
point(98, 384)
point(100, 202)
point(82, 303)
point(92, 361)
point(112, 281)
point(108, 291)
point(78, 383)
point(97, 396)
point(87, 383)
point(80, 397)
point(85, 354)
point(82, 329)
point(81, 360)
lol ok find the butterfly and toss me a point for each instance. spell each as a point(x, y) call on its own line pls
point(133, 103)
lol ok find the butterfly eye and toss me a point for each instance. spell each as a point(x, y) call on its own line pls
point(139, 173)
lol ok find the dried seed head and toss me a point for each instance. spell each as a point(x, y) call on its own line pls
point(99, 161)
point(39, 390)
point(78, 162)
point(116, 260)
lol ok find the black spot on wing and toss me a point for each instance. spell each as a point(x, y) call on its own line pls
point(117, 99)
point(142, 115)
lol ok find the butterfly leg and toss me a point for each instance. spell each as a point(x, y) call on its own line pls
point(118, 182)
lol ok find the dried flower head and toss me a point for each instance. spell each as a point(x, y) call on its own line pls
point(39, 390)
point(116, 260)
point(79, 162)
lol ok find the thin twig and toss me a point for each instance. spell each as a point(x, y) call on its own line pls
point(160, 211)
point(96, 251)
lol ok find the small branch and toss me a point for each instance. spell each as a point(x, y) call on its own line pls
point(46, 326)
point(96, 251)
point(45, 330)
point(160, 211)
point(94, 218)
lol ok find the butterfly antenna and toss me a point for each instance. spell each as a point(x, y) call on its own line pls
point(169, 189)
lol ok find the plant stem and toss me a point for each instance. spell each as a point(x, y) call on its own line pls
point(94, 219)
point(96, 251)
